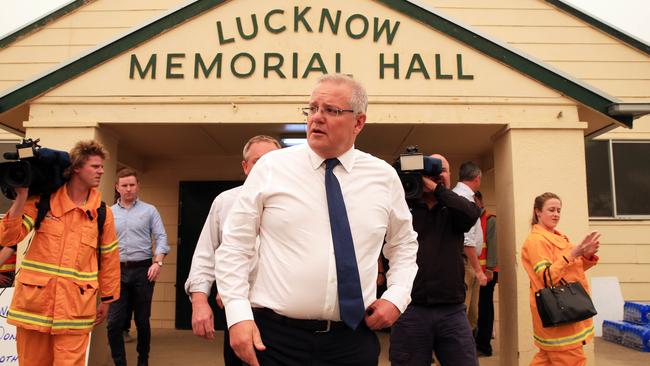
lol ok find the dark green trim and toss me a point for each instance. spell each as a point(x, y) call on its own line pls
point(538, 71)
point(40, 22)
point(104, 53)
point(603, 26)
point(564, 84)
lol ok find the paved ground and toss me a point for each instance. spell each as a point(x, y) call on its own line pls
point(180, 348)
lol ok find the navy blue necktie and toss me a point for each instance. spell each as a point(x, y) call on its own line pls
point(349, 286)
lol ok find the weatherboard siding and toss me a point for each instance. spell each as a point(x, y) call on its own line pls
point(72, 34)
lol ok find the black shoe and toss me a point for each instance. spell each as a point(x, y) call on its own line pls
point(143, 361)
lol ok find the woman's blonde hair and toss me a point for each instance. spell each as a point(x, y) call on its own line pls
point(539, 204)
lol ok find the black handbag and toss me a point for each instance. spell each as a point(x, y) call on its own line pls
point(567, 302)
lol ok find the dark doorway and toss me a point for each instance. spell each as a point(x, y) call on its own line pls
point(195, 199)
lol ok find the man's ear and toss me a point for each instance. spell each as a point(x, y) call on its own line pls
point(360, 121)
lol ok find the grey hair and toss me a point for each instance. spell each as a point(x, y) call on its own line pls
point(256, 139)
point(468, 171)
point(359, 98)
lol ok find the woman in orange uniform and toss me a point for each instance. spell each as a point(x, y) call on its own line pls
point(547, 247)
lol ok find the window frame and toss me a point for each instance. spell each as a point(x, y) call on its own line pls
point(612, 178)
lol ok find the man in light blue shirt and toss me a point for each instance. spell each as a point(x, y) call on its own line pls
point(139, 226)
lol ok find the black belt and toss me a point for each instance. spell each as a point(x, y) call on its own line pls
point(134, 264)
point(312, 325)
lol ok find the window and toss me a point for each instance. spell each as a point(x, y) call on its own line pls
point(618, 173)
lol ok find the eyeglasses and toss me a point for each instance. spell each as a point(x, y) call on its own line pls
point(328, 111)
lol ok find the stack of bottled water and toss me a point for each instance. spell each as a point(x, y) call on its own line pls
point(634, 332)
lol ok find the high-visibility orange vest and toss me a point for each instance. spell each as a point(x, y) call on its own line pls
point(482, 259)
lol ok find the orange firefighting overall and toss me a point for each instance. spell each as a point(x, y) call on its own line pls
point(561, 345)
point(55, 300)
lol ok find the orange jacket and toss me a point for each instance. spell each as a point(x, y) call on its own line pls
point(483, 257)
point(9, 265)
point(57, 285)
point(541, 249)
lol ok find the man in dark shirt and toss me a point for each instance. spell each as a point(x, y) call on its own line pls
point(435, 320)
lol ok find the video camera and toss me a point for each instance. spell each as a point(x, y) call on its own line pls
point(38, 168)
point(412, 166)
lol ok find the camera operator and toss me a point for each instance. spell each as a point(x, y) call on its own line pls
point(435, 319)
point(54, 307)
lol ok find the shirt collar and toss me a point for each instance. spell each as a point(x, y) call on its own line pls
point(119, 202)
point(465, 188)
point(62, 202)
point(346, 159)
point(557, 238)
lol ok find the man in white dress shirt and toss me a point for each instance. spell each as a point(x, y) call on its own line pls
point(294, 296)
point(469, 181)
point(201, 277)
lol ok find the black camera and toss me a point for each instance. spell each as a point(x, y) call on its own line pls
point(38, 168)
point(412, 166)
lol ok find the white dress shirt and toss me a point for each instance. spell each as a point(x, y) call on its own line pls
point(284, 201)
point(201, 274)
point(474, 237)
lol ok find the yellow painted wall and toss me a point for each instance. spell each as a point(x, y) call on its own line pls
point(72, 34)
point(561, 40)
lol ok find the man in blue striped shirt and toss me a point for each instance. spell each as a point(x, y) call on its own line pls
point(139, 226)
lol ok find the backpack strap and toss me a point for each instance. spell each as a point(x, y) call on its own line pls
point(101, 219)
point(43, 207)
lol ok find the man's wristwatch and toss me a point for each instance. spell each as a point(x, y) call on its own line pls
point(160, 263)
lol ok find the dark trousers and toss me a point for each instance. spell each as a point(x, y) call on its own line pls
point(138, 290)
point(127, 320)
point(486, 316)
point(443, 329)
point(287, 345)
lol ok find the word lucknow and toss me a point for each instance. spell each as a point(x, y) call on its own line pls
point(233, 34)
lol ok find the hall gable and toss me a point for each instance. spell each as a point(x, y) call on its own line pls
point(247, 47)
point(242, 51)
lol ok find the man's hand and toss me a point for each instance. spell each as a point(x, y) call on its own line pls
point(21, 193)
point(153, 272)
point(218, 300)
point(429, 184)
point(245, 339)
point(202, 317)
point(381, 279)
point(381, 314)
point(489, 274)
point(102, 311)
point(17, 206)
point(482, 278)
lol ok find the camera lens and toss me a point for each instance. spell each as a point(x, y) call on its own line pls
point(18, 174)
point(412, 184)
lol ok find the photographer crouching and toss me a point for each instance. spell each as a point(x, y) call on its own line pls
point(435, 320)
point(71, 258)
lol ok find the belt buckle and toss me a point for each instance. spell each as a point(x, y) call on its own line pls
point(327, 329)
